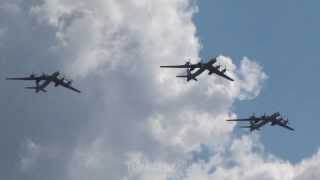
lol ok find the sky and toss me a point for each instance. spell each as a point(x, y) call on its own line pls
point(282, 37)
point(135, 121)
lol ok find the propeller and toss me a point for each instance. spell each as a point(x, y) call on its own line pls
point(264, 116)
point(69, 82)
point(188, 71)
point(253, 116)
point(33, 74)
point(63, 78)
point(213, 60)
point(224, 69)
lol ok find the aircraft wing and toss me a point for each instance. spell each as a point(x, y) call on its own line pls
point(182, 66)
point(285, 126)
point(225, 76)
point(248, 119)
point(25, 78)
point(219, 73)
point(65, 84)
point(70, 87)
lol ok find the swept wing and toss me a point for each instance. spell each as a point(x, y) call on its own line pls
point(30, 78)
point(192, 66)
point(215, 70)
point(66, 85)
point(285, 126)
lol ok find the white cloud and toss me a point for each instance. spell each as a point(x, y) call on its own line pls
point(253, 76)
point(143, 169)
point(33, 152)
point(247, 160)
point(187, 129)
point(90, 161)
point(308, 168)
point(144, 122)
point(112, 33)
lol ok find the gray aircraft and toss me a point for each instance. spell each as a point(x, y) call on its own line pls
point(257, 122)
point(199, 68)
point(47, 79)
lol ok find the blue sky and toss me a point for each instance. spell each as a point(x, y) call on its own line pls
point(282, 36)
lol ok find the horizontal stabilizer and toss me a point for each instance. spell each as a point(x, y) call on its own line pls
point(245, 126)
point(182, 76)
point(36, 88)
point(31, 88)
point(188, 77)
point(231, 120)
point(250, 127)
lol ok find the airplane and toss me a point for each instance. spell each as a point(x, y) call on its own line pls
point(201, 67)
point(257, 122)
point(47, 79)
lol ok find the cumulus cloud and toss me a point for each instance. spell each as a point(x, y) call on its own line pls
point(141, 168)
point(141, 122)
point(32, 153)
point(243, 158)
point(253, 76)
point(246, 159)
point(114, 33)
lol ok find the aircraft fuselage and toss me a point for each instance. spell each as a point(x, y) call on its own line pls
point(47, 80)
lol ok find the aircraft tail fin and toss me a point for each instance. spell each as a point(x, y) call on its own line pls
point(36, 88)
